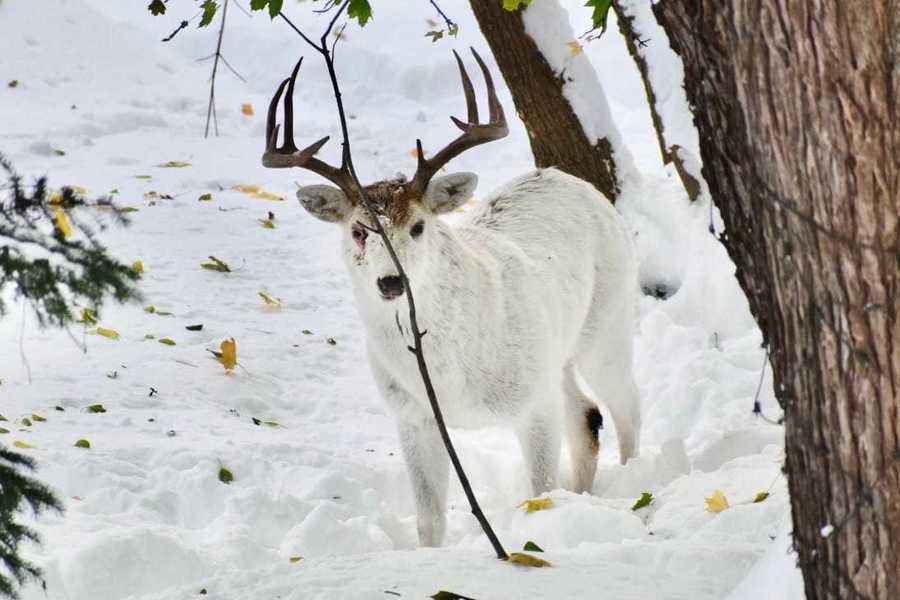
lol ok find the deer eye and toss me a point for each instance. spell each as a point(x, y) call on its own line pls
point(416, 230)
point(359, 233)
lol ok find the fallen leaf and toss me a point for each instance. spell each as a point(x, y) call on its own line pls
point(83, 444)
point(13, 83)
point(167, 341)
point(23, 445)
point(128, 209)
point(216, 265)
point(254, 191)
point(574, 48)
point(306, 332)
point(2, 430)
point(207, 197)
point(61, 220)
point(527, 560)
point(269, 300)
point(107, 333)
point(532, 547)
point(247, 109)
point(225, 476)
point(138, 267)
point(536, 504)
point(445, 595)
point(143, 176)
point(760, 497)
point(174, 164)
point(198, 327)
point(645, 500)
point(267, 223)
point(37, 418)
point(26, 422)
point(96, 408)
point(717, 502)
point(296, 559)
point(228, 354)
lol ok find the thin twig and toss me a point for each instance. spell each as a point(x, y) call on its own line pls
point(450, 24)
point(211, 108)
point(417, 349)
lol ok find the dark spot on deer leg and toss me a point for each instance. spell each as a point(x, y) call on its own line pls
point(594, 421)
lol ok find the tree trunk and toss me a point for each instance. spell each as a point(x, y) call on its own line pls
point(557, 136)
point(797, 110)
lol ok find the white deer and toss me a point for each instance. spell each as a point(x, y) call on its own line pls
point(532, 288)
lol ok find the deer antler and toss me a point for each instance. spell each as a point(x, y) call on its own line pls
point(473, 132)
point(288, 155)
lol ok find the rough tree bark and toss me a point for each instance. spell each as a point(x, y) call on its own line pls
point(556, 135)
point(797, 110)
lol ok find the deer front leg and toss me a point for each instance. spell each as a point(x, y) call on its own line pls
point(427, 463)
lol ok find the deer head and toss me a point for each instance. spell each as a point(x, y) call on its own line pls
point(406, 208)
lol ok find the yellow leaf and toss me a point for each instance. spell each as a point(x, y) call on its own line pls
point(107, 333)
point(38, 418)
point(138, 267)
point(717, 502)
point(269, 300)
point(23, 445)
point(88, 317)
point(296, 559)
point(207, 197)
point(247, 109)
point(61, 219)
point(174, 164)
point(527, 560)
point(167, 341)
point(536, 504)
point(254, 191)
point(267, 223)
point(228, 356)
point(760, 497)
point(574, 48)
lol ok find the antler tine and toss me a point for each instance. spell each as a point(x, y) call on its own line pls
point(471, 104)
point(288, 155)
point(288, 145)
point(494, 106)
point(473, 132)
point(271, 126)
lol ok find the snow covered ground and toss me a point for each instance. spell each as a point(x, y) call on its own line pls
point(146, 515)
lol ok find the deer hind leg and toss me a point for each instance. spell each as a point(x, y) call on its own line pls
point(612, 381)
point(583, 424)
point(539, 438)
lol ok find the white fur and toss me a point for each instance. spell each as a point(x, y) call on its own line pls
point(536, 286)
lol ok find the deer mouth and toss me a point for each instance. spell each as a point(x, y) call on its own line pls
point(390, 287)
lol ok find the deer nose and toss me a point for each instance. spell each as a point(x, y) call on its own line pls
point(390, 287)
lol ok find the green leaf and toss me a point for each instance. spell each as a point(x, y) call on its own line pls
point(360, 10)
point(26, 422)
point(209, 8)
point(600, 13)
point(512, 5)
point(157, 7)
point(167, 341)
point(760, 497)
point(274, 6)
point(225, 476)
point(2, 430)
point(645, 500)
point(532, 547)
point(198, 327)
point(83, 444)
point(96, 408)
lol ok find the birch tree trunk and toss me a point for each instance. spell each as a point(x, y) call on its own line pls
point(585, 145)
point(797, 109)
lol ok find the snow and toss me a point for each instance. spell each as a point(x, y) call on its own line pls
point(146, 516)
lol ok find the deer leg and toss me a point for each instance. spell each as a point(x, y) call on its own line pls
point(539, 437)
point(428, 465)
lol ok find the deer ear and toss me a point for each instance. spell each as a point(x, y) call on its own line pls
point(449, 192)
point(325, 202)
